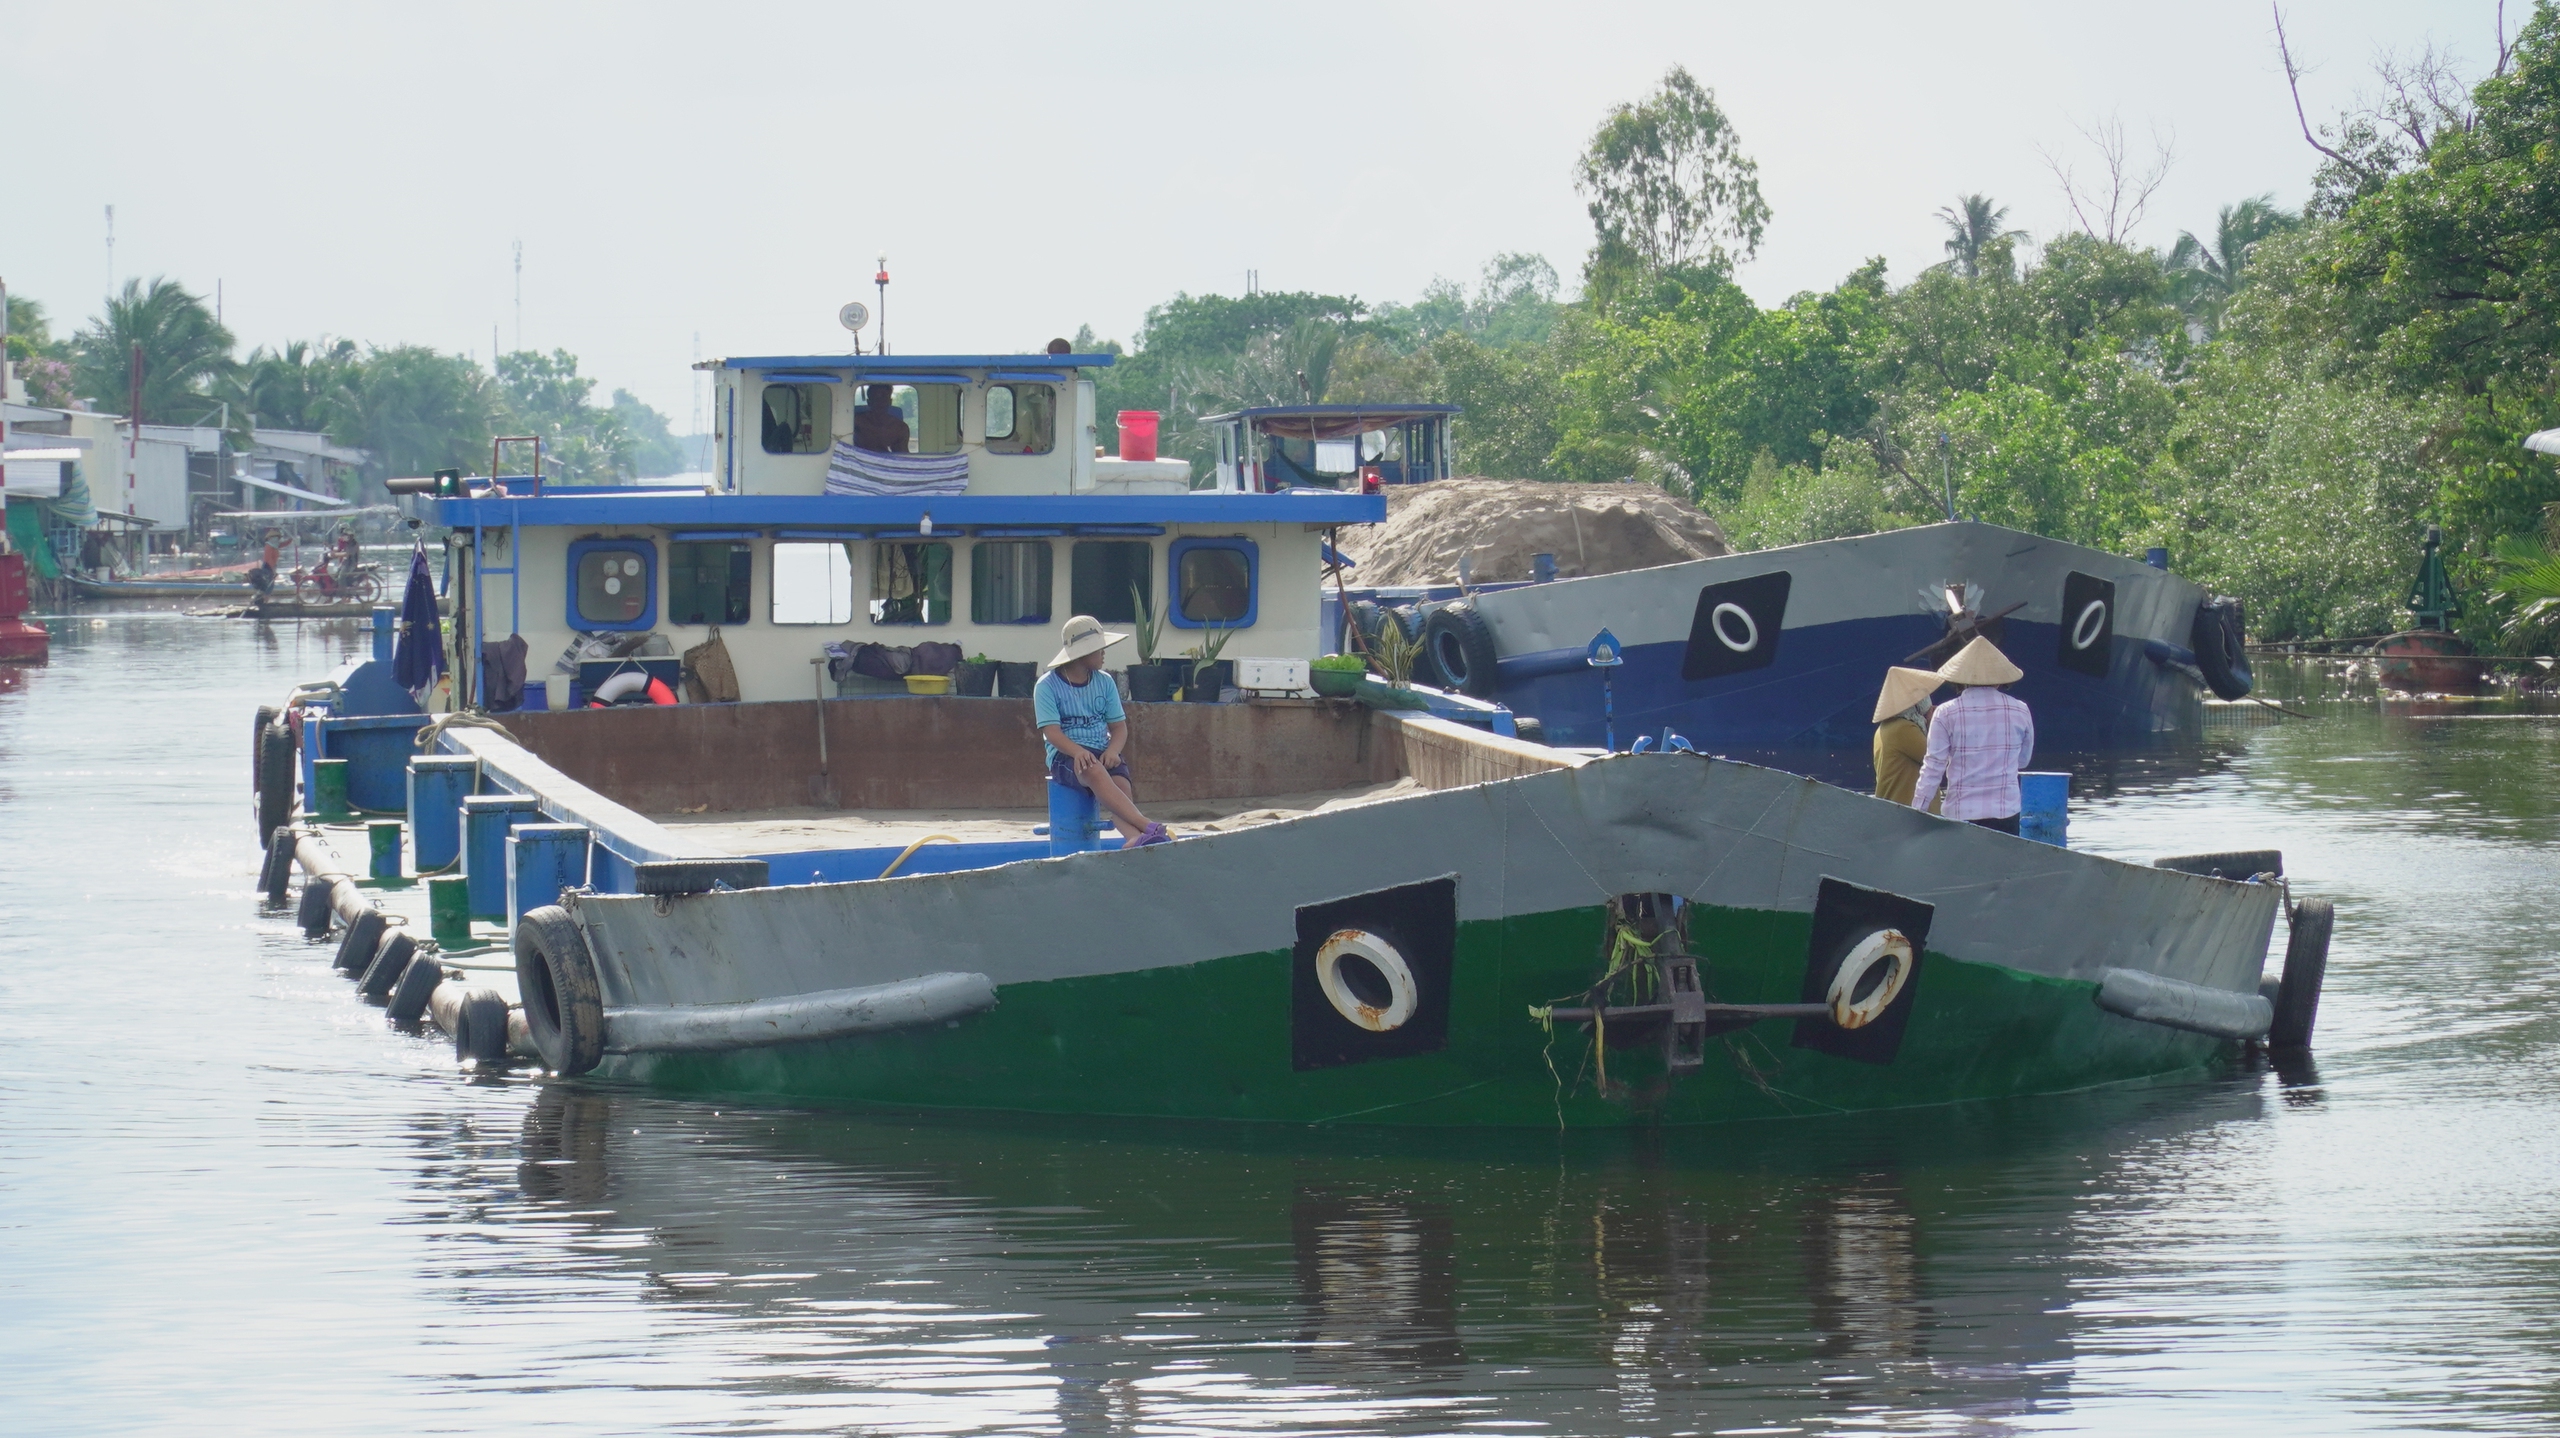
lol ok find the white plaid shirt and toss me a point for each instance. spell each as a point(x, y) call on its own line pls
point(1978, 741)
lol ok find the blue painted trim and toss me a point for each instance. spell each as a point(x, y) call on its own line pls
point(877, 377)
point(1021, 533)
point(647, 549)
point(788, 377)
point(660, 510)
point(1007, 376)
point(1118, 531)
point(916, 362)
point(705, 536)
point(821, 534)
point(1173, 580)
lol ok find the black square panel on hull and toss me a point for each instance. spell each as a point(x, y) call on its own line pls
point(1369, 977)
point(2087, 645)
point(1736, 626)
point(1879, 938)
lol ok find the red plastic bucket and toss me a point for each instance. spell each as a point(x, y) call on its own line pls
point(1138, 433)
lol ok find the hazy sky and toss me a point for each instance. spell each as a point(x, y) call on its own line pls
point(732, 171)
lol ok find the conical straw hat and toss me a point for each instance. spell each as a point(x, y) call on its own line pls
point(1980, 662)
point(1904, 688)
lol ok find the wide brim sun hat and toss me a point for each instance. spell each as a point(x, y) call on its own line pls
point(1980, 663)
point(1904, 688)
point(1079, 637)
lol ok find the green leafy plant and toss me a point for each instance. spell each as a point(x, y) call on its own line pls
point(1150, 630)
point(978, 659)
point(1392, 654)
point(1349, 663)
point(1207, 654)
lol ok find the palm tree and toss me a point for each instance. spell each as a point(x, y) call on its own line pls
point(1973, 222)
point(185, 351)
point(2208, 276)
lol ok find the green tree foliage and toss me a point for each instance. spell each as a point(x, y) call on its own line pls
point(1973, 222)
point(1668, 184)
point(186, 354)
point(655, 450)
point(2208, 275)
point(581, 443)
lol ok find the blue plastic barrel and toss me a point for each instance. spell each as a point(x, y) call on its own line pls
point(486, 818)
point(1075, 820)
point(2044, 808)
point(383, 633)
point(437, 786)
point(542, 860)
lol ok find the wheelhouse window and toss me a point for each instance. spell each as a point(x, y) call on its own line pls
point(1213, 582)
point(812, 582)
point(929, 412)
point(1009, 581)
point(798, 418)
point(911, 583)
point(1106, 576)
point(707, 583)
point(1022, 418)
point(613, 584)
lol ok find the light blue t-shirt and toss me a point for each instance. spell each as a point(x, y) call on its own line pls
point(1085, 711)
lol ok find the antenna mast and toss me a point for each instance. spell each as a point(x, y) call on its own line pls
point(519, 294)
point(111, 250)
point(882, 280)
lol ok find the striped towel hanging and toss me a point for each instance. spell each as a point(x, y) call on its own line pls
point(869, 471)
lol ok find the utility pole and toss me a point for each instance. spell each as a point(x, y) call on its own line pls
point(519, 294)
point(111, 251)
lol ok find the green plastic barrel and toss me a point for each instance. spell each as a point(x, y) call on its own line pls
point(449, 911)
point(329, 788)
point(384, 837)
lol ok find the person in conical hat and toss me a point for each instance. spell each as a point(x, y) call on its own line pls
point(1979, 741)
point(1902, 730)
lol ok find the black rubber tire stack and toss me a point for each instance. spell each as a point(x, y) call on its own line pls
point(389, 963)
point(408, 1001)
point(1532, 729)
point(2306, 967)
point(2220, 639)
point(317, 913)
point(275, 879)
point(480, 1028)
point(357, 945)
point(563, 1003)
point(1460, 645)
point(267, 716)
point(667, 878)
point(275, 782)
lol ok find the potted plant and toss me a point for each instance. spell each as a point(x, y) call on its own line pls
point(1014, 680)
point(1150, 681)
point(975, 676)
point(1392, 657)
point(1208, 674)
point(1336, 675)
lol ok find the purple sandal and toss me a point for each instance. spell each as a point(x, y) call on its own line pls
point(1153, 834)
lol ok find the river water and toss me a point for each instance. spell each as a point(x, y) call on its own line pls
point(231, 1200)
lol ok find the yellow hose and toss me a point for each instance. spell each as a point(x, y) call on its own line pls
point(910, 851)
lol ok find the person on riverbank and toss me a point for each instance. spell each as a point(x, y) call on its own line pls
point(1086, 730)
point(1902, 730)
point(1979, 741)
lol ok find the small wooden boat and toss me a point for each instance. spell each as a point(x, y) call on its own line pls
point(152, 588)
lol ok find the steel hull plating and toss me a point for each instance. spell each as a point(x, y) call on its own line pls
point(1111, 1001)
point(1853, 608)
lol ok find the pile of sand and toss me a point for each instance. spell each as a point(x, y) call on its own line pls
point(1589, 528)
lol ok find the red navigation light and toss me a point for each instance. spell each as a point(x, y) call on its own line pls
point(1369, 479)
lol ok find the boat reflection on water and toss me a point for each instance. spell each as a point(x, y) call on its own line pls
point(992, 1273)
